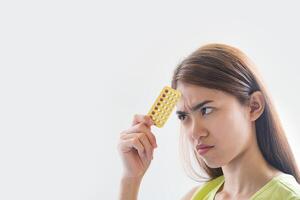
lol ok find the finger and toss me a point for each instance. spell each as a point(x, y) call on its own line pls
point(152, 139)
point(126, 145)
point(142, 119)
point(147, 146)
point(140, 149)
point(140, 142)
point(136, 146)
point(150, 136)
point(142, 128)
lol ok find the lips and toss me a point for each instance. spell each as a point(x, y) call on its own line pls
point(203, 148)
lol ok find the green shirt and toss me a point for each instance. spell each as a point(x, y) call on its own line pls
point(281, 187)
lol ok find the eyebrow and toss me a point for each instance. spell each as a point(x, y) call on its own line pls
point(196, 107)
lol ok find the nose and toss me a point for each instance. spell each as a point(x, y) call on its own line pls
point(198, 130)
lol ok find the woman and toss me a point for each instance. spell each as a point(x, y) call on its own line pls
point(231, 127)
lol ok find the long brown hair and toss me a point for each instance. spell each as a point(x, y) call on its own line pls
point(226, 68)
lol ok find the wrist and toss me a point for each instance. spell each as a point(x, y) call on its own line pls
point(131, 180)
point(130, 188)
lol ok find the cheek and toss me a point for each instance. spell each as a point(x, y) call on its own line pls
point(231, 127)
point(231, 135)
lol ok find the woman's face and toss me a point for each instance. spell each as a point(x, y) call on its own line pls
point(221, 121)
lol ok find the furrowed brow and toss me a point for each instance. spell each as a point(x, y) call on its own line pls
point(196, 107)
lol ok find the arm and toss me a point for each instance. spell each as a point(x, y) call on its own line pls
point(136, 146)
point(129, 188)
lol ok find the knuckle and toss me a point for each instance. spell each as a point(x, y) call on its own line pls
point(142, 135)
point(148, 134)
point(152, 135)
point(122, 133)
point(140, 126)
point(135, 141)
point(137, 144)
point(123, 136)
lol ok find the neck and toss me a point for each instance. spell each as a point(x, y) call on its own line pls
point(247, 173)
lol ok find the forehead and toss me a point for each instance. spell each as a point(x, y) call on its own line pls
point(193, 94)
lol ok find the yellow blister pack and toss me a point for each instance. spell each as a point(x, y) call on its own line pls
point(163, 106)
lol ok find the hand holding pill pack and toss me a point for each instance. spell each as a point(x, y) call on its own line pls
point(163, 106)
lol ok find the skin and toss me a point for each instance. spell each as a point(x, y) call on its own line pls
point(229, 127)
point(224, 123)
point(136, 146)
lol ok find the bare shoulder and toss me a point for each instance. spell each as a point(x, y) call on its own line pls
point(189, 195)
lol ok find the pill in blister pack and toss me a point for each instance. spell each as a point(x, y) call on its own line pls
point(163, 106)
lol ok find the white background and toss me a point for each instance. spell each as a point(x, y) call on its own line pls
point(73, 74)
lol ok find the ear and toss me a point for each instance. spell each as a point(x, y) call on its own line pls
point(256, 105)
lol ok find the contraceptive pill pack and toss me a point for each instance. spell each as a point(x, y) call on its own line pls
point(164, 105)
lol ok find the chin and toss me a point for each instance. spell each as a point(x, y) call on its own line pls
point(213, 163)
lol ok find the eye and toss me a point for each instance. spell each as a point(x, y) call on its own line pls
point(181, 117)
point(206, 110)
